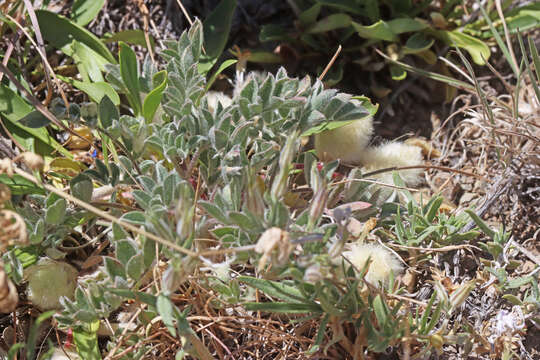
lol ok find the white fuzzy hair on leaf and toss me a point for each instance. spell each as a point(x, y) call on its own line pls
point(383, 262)
point(394, 154)
point(346, 143)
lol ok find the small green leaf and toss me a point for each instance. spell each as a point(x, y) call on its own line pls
point(107, 112)
point(56, 212)
point(153, 99)
point(417, 43)
point(34, 120)
point(222, 67)
point(133, 37)
point(135, 266)
point(481, 224)
point(87, 342)
point(380, 310)
point(329, 23)
point(274, 288)
point(95, 91)
point(397, 73)
point(165, 309)
point(285, 308)
point(135, 217)
point(84, 11)
point(82, 187)
point(478, 50)
point(378, 31)
point(129, 70)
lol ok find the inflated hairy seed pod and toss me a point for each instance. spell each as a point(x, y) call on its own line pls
point(346, 143)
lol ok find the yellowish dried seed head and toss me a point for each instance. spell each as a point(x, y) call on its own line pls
point(383, 262)
point(346, 143)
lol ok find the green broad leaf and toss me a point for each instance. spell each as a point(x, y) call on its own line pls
point(478, 50)
point(309, 16)
point(380, 310)
point(107, 112)
point(274, 289)
point(284, 308)
point(329, 23)
point(264, 57)
point(81, 187)
point(350, 6)
point(216, 28)
point(525, 18)
point(405, 25)
point(86, 341)
point(165, 309)
point(84, 11)
point(12, 109)
point(378, 31)
point(55, 213)
point(135, 266)
point(221, 68)
point(129, 70)
point(514, 300)
point(133, 37)
point(417, 43)
point(397, 73)
point(153, 99)
point(367, 104)
point(34, 120)
point(134, 217)
point(89, 63)
point(95, 91)
point(20, 186)
point(60, 32)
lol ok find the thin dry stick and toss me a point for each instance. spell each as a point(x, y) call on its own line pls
point(374, 182)
point(35, 24)
point(506, 34)
point(436, 167)
point(48, 68)
point(103, 214)
point(185, 12)
point(332, 60)
point(124, 332)
point(146, 15)
point(442, 249)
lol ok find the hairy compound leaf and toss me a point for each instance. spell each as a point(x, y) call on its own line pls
point(55, 213)
point(82, 187)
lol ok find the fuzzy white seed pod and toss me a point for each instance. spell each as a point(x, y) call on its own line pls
point(215, 97)
point(346, 143)
point(393, 154)
point(383, 262)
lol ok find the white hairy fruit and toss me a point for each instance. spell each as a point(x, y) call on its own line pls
point(393, 154)
point(383, 262)
point(347, 143)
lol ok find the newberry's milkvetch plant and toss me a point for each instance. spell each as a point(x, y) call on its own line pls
point(211, 182)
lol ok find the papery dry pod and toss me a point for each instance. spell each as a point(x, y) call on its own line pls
point(33, 161)
point(8, 293)
point(274, 243)
point(6, 167)
point(5, 194)
point(12, 229)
